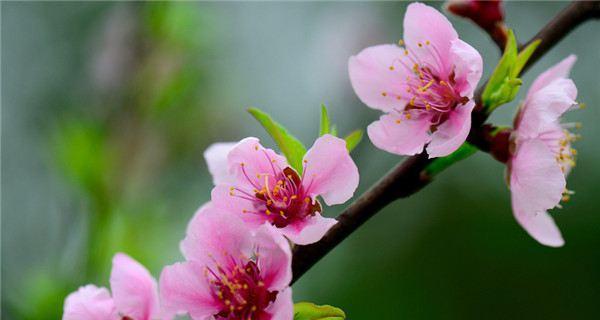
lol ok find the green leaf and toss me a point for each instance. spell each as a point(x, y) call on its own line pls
point(504, 83)
point(524, 56)
point(325, 125)
point(440, 164)
point(291, 147)
point(353, 139)
point(310, 311)
point(334, 131)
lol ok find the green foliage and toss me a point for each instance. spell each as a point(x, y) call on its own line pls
point(440, 164)
point(85, 157)
point(291, 147)
point(504, 83)
point(325, 126)
point(44, 293)
point(353, 139)
point(310, 311)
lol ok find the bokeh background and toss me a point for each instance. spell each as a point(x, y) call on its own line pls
point(107, 108)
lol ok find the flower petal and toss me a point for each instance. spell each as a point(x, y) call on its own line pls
point(451, 134)
point(330, 171)
point(134, 290)
point(536, 181)
point(216, 159)
point(374, 82)
point(468, 67)
point(249, 161)
point(423, 23)
point(214, 235)
point(221, 198)
point(89, 303)
point(543, 109)
point(408, 137)
point(310, 230)
point(283, 306)
point(274, 257)
point(541, 227)
point(560, 70)
point(184, 289)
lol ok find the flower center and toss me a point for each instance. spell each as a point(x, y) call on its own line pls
point(430, 88)
point(280, 195)
point(242, 292)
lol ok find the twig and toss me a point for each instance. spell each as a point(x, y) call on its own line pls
point(408, 177)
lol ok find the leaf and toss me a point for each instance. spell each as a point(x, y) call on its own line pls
point(504, 83)
point(324, 127)
point(524, 56)
point(310, 311)
point(353, 139)
point(334, 131)
point(289, 145)
point(440, 164)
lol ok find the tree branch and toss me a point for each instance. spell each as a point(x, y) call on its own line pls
point(408, 177)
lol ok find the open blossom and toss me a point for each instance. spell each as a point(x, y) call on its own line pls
point(232, 271)
point(425, 88)
point(134, 295)
point(260, 186)
point(541, 153)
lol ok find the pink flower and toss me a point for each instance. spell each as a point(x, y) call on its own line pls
point(134, 290)
point(231, 272)
point(425, 89)
point(541, 153)
point(260, 186)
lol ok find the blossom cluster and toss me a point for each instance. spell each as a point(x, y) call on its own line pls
point(237, 247)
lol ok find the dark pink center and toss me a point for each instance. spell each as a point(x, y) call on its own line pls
point(241, 291)
point(280, 196)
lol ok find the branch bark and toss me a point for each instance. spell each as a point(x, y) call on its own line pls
point(408, 177)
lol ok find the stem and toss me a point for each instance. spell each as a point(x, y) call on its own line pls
point(408, 177)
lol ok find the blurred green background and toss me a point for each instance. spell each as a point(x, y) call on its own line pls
point(107, 108)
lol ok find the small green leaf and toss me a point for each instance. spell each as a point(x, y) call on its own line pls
point(353, 139)
point(334, 131)
point(310, 311)
point(291, 147)
point(524, 56)
point(504, 84)
point(440, 164)
point(496, 86)
point(325, 125)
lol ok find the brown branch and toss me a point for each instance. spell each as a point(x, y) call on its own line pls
point(408, 177)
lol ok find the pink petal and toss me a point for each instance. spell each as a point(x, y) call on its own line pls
point(330, 171)
point(560, 70)
point(274, 257)
point(310, 230)
point(216, 159)
point(451, 134)
point(544, 108)
point(468, 67)
point(541, 227)
point(283, 306)
point(423, 23)
point(375, 84)
point(249, 161)
point(214, 235)
point(405, 138)
point(536, 181)
point(134, 289)
point(89, 303)
point(185, 289)
point(244, 208)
